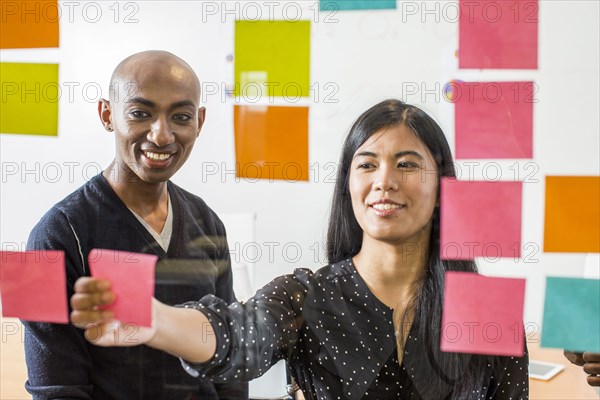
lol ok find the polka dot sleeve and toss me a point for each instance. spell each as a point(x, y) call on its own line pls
point(252, 336)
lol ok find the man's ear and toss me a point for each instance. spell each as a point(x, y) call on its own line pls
point(105, 114)
point(201, 118)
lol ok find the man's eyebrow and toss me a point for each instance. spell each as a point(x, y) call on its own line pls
point(184, 103)
point(140, 100)
point(146, 102)
point(397, 155)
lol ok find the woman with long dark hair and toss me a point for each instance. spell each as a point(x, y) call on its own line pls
point(369, 324)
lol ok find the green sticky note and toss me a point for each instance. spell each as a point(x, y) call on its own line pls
point(335, 5)
point(272, 59)
point(572, 314)
point(29, 96)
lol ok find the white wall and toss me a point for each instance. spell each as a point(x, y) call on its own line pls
point(368, 55)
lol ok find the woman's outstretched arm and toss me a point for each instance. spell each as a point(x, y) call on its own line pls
point(225, 342)
point(183, 332)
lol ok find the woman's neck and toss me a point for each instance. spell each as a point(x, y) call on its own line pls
point(392, 269)
point(394, 274)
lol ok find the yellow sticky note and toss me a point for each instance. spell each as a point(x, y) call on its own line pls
point(572, 220)
point(29, 96)
point(272, 59)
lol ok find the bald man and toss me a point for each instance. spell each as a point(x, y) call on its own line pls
point(155, 116)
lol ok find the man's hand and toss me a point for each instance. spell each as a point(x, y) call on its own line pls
point(590, 363)
point(592, 367)
point(90, 297)
point(575, 358)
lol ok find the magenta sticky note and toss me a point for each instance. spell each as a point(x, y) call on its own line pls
point(480, 219)
point(483, 315)
point(498, 34)
point(132, 280)
point(493, 119)
point(33, 285)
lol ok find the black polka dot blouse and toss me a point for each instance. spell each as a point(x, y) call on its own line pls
point(338, 340)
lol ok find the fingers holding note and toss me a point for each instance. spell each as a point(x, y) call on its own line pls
point(91, 297)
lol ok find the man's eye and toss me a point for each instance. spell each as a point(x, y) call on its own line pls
point(139, 114)
point(182, 117)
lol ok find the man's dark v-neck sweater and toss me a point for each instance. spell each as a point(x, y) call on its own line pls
point(61, 363)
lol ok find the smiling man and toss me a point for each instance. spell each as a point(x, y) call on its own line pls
point(155, 115)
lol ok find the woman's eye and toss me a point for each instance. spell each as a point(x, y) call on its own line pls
point(407, 165)
point(365, 166)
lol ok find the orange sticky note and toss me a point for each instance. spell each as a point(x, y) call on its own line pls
point(29, 24)
point(483, 315)
point(271, 142)
point(33, 285)
point(131, 276)
point(572, 215)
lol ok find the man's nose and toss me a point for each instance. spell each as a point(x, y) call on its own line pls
point(160, 132)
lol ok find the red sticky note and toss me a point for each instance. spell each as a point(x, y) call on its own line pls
point(493, 119)
point(498, 34)
point(480, 219)
point(132, 280)
point(483, 315)
point(33, 286)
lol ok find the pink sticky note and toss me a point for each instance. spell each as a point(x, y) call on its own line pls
point(498, 34)
point(483, 315)
point(493, 119)
point(33, 285)
point(132, 280)
point(480, 219)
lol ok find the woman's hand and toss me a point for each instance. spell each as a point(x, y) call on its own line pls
point(88, 302)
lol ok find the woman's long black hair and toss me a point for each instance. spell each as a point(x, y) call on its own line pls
point(447, 375)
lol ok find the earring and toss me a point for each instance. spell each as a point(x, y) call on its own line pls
point(109, 128)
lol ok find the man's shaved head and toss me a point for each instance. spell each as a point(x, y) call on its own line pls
point(154, 111)
point(144, 67)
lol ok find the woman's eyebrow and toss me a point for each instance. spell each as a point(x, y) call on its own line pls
point(408, 153)
point(365, 154)
point(397, 155)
